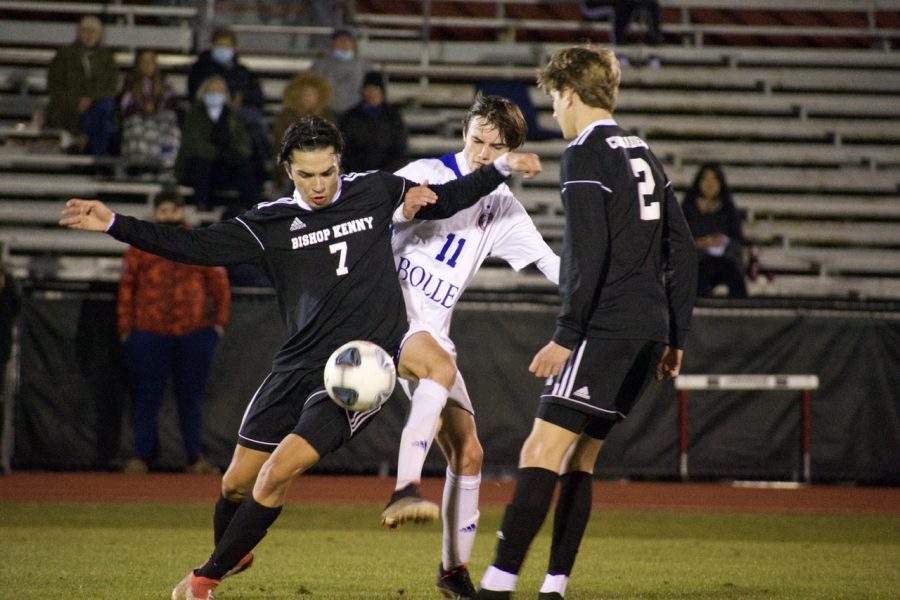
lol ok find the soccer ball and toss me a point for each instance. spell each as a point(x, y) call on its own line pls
point(360, 376)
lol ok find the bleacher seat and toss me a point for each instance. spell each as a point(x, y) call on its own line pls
point(809, 135)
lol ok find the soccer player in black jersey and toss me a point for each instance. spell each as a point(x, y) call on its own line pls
point(328, 252)
point(627, 282)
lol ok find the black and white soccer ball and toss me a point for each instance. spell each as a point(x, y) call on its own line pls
point(360, 376)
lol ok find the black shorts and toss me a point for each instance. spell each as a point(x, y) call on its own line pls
point(296, 402)
point(599, 384)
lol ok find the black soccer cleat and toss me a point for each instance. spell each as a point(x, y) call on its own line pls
point(550, 596)
point(455, 584)
point(408, 505)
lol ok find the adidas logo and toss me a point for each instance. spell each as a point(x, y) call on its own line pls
point(582, 392)
point(470, 528)
point(297, 224)
point(500, 535)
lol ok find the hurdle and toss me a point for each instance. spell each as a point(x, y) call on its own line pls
point(804, 383)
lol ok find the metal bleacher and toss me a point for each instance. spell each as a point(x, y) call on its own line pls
point(802, 113)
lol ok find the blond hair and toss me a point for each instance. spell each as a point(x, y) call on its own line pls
point(591, 71)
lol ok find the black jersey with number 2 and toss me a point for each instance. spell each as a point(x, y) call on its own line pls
point(332, 268)
point(628, 267)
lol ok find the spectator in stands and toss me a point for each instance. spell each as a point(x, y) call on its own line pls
point(246, 92)
point(373, 130)
point(624, 11)
point(307, 94)
point(165, 324)
point(215, 150)
point(718, 236)
point(82, 82)
point(148, 107)
point(344, 69)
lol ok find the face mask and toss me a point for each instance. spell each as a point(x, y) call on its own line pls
point(214, 99)
point(344, 54)
point(222, 54)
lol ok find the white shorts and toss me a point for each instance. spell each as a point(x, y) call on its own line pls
point(459, 395)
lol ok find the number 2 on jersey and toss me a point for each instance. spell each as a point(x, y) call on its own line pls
point(443, 253)
point(645, 188)
point(341, 250)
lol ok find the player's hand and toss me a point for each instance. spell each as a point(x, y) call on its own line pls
point(549, 360)
point(670, 364)
point(220, 331)
point(89, 215)
point(526, 163)
point(416, 198)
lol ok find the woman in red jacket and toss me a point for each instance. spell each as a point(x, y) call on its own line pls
point(167, 327)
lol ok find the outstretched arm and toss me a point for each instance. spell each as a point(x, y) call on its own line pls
point(223, 243)
point(87, 215)
point(462, 193)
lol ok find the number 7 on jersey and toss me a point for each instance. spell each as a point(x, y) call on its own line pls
point(341, 250)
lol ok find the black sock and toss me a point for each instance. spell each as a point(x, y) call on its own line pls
point(573, 509)
point(524, 516)
point(222, 516)
point(247, 529)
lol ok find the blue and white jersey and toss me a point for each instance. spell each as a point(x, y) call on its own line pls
point(437, 259)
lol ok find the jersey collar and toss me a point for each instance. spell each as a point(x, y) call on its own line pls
point(587, 130)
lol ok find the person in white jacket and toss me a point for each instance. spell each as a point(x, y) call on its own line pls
point(435, 262)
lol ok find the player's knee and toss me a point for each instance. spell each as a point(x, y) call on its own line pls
point(471, 457)
point(274, 477)
point(234, 488)
point(440, 368)
point(537, 453)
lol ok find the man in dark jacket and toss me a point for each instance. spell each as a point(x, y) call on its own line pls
point(374, 131)
point(82, 81)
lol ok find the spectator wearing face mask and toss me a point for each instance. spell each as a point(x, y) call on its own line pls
point(215, 148)
point(344, 69)
point(247, 98)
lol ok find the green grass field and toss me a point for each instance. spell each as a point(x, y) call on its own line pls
point(138, 551)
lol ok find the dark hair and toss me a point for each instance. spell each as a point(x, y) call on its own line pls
point(343, 32)
point(502, 114)
point(374, 78)
point(224, 32)
point(724, 191)
point(310, 133)
point(168, 193)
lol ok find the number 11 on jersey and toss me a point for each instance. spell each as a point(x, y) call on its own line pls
point(443, 253)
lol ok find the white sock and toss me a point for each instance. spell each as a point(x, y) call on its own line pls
point(459, 508)
point(499, 581)
point(428, 401)
point(555, 583)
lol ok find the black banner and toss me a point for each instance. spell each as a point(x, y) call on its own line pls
point(72, 407)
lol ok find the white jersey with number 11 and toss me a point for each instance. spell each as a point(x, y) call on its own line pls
point(436, 260)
